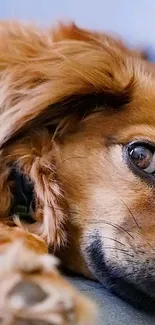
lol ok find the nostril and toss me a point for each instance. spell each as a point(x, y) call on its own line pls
point(28, 293)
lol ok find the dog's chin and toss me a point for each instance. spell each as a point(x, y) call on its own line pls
point(141, 294)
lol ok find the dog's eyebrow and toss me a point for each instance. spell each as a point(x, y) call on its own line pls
point(83, 105)
point(92, 101)
point(77, 106)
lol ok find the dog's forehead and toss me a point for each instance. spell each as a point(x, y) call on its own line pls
point(94, 67)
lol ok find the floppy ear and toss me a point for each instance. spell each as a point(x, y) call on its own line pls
point(40, 77)
point(48, 80)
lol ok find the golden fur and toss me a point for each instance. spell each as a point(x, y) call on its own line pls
point(69, 100)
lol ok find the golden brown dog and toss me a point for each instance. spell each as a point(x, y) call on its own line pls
point(77, 171)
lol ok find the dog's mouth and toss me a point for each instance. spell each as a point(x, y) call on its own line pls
point(24, 204)
point(140, 295)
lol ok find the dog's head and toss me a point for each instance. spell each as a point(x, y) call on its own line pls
point(78, 121)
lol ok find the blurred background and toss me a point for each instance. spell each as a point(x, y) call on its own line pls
point(133, 20)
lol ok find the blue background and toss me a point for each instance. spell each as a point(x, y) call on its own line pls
point(134, 20)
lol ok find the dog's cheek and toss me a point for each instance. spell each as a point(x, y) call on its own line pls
point(105, 201)
point(122, 215)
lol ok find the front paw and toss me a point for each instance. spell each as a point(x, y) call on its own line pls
point(34, 293)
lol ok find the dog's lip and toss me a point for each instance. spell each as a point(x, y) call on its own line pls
point(148, 287)
point(140, 297)
point(132, 295)
point(137, 294)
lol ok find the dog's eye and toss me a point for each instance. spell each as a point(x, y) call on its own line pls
point(142, 155)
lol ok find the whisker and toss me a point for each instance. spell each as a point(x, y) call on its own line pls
point(110, 224)
point(117, 241)
point(103, 237)
point(132, 261)
point(130, 213)
point(142, 252)
point(150, 246)
point(120, 250)
point(118, 228)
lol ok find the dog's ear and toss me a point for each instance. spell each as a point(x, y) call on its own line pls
point(45, 81)
point(51, 80)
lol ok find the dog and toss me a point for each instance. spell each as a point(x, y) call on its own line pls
point(77, 171)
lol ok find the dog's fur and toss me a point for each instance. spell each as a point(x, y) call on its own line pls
point(70, 101)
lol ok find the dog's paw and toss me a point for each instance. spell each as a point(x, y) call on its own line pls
point(34, 293)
